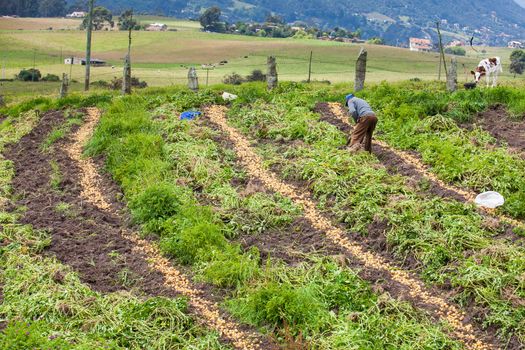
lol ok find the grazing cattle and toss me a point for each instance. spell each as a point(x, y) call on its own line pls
point(487, 67)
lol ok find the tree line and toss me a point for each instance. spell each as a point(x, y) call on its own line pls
point(273, 27)
point(34, 8)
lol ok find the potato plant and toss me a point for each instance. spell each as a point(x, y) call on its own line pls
point(412, 117)
point(46, 306)
point(448, 242)
point(178, 179)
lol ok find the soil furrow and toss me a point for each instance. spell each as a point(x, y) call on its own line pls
point(292, 243)
point(459, 322)
point(496, 121)
point(274, 242)
point(92, 191)
point(410, 164)
point(82, 236)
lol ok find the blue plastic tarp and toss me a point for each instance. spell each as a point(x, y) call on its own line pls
point(190, 115)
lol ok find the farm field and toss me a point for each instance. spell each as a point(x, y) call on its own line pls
point(163, 58)
point(253, 227)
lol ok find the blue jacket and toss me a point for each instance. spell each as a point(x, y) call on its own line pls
point(359, 108)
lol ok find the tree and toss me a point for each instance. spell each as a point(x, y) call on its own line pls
point(262, 33)
point(101, 16)
point(52, 8)
point(78, 5)
point(211, 20)
point(456, 50)
point(517, 62)
point(126, 21)
point(376, 41)
point(29, 75)
point(25, 8)
point(275, 19)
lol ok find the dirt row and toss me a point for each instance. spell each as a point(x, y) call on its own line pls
point(276, 243)
point(411, 288)
point(88, 227)
point(82, 237)
point(410, 164)
point(291, 243)
point(335, 115)
point(496, 121)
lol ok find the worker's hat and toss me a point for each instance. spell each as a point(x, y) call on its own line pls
point(348, 98)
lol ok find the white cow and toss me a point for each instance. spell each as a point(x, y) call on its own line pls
point(487, 67)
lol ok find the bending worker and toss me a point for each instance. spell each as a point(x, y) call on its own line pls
point(366, 121)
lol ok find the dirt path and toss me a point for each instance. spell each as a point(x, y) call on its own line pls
point(461, 327)
point(87, 231)
point(410, 164)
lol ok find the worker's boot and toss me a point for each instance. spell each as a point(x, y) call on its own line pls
point(356, 147)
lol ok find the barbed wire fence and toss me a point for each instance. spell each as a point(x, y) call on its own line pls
point(294, 68)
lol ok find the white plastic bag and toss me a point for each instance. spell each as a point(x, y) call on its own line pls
point(226, 96)
point(490, 200)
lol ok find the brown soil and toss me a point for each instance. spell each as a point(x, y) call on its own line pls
point(324, 110)
point(496, 121)
point(291, 243)
point(84, 237)
point(396, 164)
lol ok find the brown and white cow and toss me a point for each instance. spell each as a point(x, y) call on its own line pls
point(487, 67)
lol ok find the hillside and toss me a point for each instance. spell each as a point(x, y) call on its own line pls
point(493, 22)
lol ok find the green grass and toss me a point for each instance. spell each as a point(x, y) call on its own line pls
point(449, 149)
point(163, 58)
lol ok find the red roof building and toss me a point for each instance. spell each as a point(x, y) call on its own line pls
point(417, 44)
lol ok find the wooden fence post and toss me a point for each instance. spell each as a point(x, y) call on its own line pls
point(360, 70)
point(271, 76)
point(193, 79)
point(452, 76)
point(126, 79)
point(64, 86)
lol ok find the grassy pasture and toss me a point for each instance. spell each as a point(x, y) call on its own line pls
point(39, 23)
point(162, 58)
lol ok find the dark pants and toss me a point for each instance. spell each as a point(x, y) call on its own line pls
point(363, 131)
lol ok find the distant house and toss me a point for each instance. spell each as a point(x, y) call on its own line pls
point(515, 45)
point(82, 61)
point(417, 44)
point(157, 27)
point(77, 14)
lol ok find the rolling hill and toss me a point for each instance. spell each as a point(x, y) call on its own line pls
point(494, 22)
